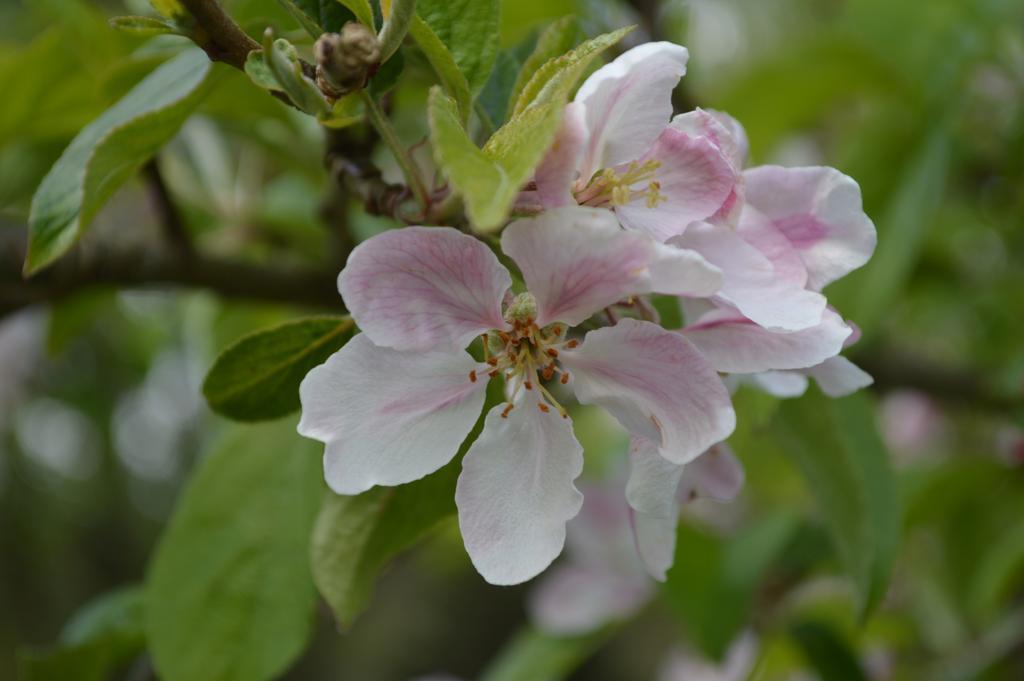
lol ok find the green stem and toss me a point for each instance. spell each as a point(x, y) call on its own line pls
point(387, 133)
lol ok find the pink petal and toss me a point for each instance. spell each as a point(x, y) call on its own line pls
point(576, 261)
point(557, 172)
point(838, 376)
point(575, 599)
point(761, 233)
point(516, 492)
point(721, 129)
point(716, 474)
point(424, 288)
point(656, 384)
point(820, 211)
point(734, 344)
point(629, 102)
point(388, 417)
point(695, 180)
point(750, 282)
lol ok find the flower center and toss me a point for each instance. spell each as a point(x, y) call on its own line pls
point(608, 188)
point(527, 355)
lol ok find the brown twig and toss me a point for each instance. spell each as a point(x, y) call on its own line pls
point(171, 222)
point(219, 36)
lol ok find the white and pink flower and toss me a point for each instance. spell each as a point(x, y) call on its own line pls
point(396, 402)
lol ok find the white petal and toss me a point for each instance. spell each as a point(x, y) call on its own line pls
point(576, 261)
point(780, 383)
point(682, 272)
point(655, 542)
point(721, 129)
point(516, 491)
point(734, 344)
point(695, 179)
point(820, 211)
point(750, 281)
point(424, 288)
point(575, 599)
point(653, 480)
point(388, 417)
point(838, 376)
point(656, 384)
point(629, 102)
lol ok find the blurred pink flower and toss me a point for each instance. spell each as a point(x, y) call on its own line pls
point(395, 403)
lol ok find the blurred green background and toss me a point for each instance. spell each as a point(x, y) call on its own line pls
point(102, 420)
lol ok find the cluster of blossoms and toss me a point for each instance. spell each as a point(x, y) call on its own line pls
point(628, 202)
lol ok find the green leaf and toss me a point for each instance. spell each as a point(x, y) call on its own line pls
point(144, 26)
point(362, 11)
point(489, 179)
point(557, 39)
point(99, 640)
point(396, 25)
point(828, 654)
point(836, 446)
point(536, 656)
point(495, 96)
point(278, 67)
point(355, 536)
point(470, 29)
point(228, 594)
point(318, 16)
point(257, 378)
point(108, 151)
point(444, 65)
point(170, 9)
point(712, 583)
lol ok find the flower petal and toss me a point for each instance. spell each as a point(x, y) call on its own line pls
point(716, 474)
point(761, 233)
point(750, 282)
point(655, 542)
point(557, 172)
point(656, 384)
point(576, 599)
point(576, 261)
point(780, 383)
point(695, 178)
point(721, 129)
point(628, 103)
point(419, 288)
point(682, 272)
point(388, 417)
point(733, 343)
point(820, 211)
point(838, 376)
point(516, 492)
point(653, 480)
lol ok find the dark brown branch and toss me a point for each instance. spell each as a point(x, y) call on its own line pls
point(219, 36)
point(155, 268)
point(171, 222)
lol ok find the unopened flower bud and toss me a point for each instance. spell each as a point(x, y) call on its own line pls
point(344, 60)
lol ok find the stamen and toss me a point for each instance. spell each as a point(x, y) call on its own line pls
point(564, 379)
point(572, 344)
point(552, 352)
point(528, 385)
point(543, 407)
point(508, 408)
point(472, 376)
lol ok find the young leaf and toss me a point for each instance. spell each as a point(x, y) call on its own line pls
point(108, 151)
point(489, 179)
point(494, 97)
point(318, 16)
point(258, 377)
point(557, 39)
point(362, 11)
point(444, 65)
point(144, 26)
point(837, 448)
point(355, 536)
point(281, 59)
point(396, 24)
point(470, 29)
point(228, 594)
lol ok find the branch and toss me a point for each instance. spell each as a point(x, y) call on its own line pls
point(219, 36)
point(147, 268)
point(170, 218)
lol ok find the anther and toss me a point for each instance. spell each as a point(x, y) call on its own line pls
point(493, 361)
point(492, 374)
point(547, 372)
point(564, 379)
point(543, 407)
point(508, 408)
point(552, 352)
point(472, 376)
point(572, 344)
point(528, 385)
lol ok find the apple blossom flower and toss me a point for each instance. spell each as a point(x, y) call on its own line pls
point(691, 666)
point(395, 403)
